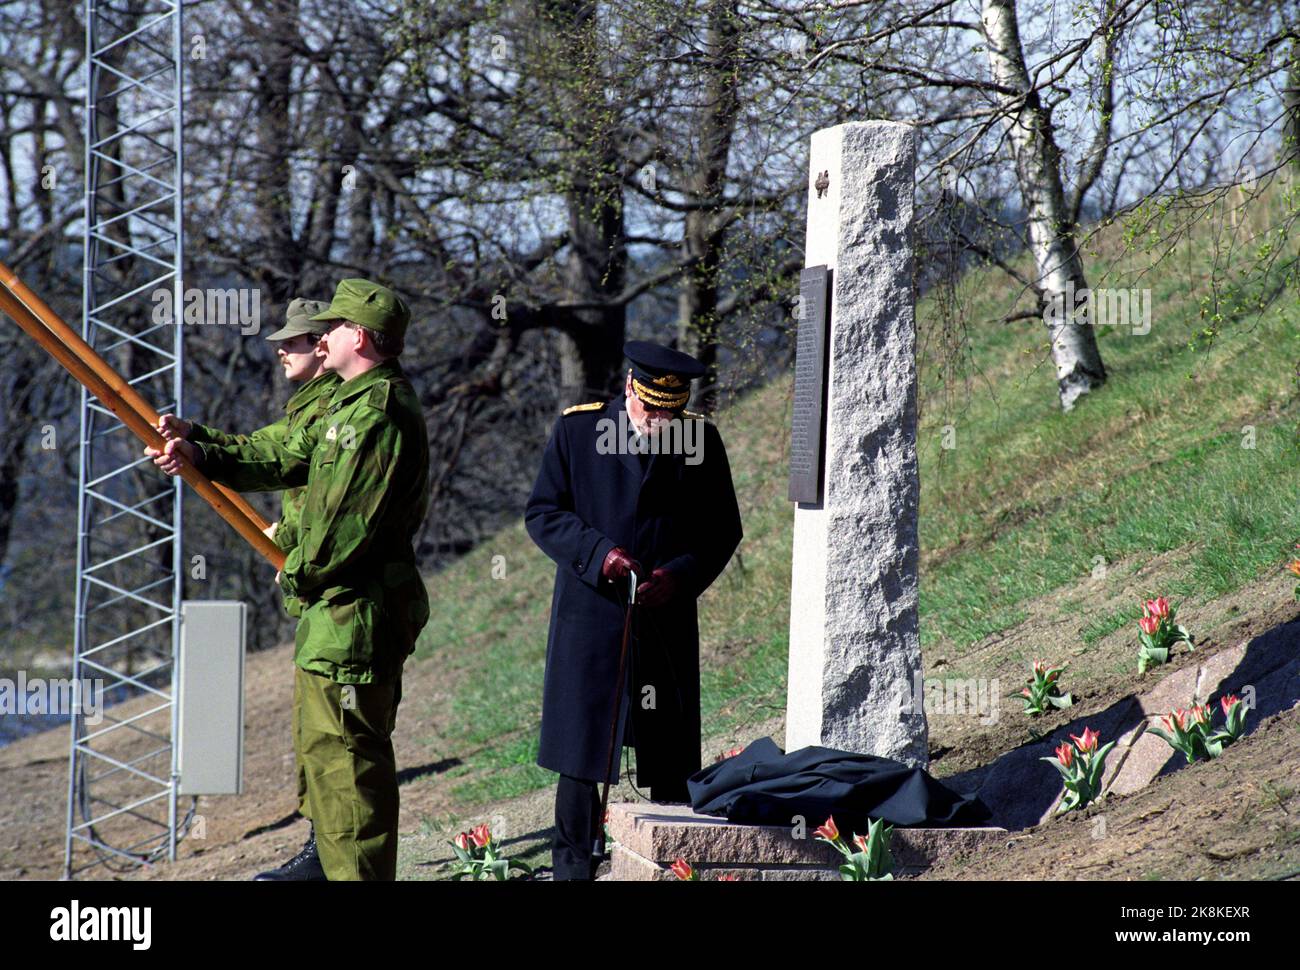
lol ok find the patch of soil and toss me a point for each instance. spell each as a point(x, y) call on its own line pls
point(1098, 674)
point(1236, 817)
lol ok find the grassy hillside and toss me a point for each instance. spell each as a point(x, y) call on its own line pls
point(1039, 532)
point(1180, 467)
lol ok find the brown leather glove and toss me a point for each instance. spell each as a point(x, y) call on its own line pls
point(618, 564)
point(658, 589)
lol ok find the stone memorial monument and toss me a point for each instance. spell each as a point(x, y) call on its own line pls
point(854, 648)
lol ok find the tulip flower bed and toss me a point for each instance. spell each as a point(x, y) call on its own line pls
point(684, 871)
point(1082, 767)
point(1043, 691)
point(1189, 731)
point(477, 857)
point(1159, 634)
point(872, 861)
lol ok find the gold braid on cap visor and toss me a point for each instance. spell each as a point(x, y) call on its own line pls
point(660, 399)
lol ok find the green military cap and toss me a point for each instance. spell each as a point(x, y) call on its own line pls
point(369, 304)
point(300, 319)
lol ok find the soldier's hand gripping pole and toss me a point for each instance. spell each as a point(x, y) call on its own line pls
point(95, 374)
point(598, 848)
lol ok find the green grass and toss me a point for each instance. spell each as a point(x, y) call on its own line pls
point(1020, 509)
point(1107, 623)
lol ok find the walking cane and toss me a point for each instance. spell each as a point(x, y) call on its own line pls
point(598, 848)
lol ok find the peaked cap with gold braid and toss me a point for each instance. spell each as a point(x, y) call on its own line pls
point(661, 377)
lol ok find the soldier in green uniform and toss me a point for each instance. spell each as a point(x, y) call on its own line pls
point(365, 467)
point(295, 345)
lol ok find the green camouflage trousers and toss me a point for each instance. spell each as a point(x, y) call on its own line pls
point(343, 737)
point(296, 730)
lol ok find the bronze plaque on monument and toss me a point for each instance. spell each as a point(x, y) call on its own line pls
point(808, 425)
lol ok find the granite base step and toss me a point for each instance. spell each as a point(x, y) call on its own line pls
point(649, 838)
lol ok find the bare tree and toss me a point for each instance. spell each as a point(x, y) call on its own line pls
point(1100, 109)
point(40, 167)
point(543, 178)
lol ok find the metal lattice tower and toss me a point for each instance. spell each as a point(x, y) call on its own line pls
point(121, 787)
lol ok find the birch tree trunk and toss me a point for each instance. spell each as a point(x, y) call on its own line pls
point(1079, 369)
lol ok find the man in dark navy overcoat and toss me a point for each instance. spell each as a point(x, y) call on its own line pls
point(633, 485)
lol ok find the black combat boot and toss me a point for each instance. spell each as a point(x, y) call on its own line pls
point(304, 867)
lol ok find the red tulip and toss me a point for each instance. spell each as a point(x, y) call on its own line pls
point(1065, 755)
point(730, 753)
point(828, 830)
point(1202, 713)
point(728, 878)
point(1294, 566)
point(1159, 607)
point(462, 841)
point(1149, 625)
point(861, 842)
point(1177, 718)
point(1088, 743)
point(682, 870)
point(1040, 666)
point(1227, 701)
point(481, 835)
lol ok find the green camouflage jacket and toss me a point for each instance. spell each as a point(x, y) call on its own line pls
point(306, 404)
point(365, 468)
